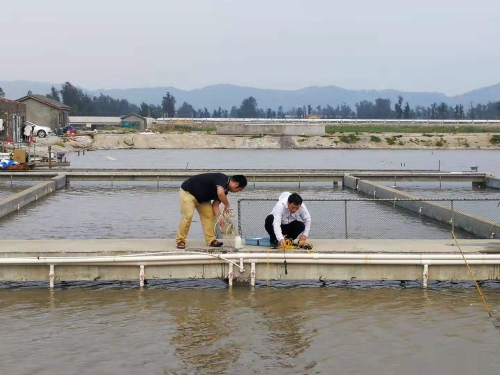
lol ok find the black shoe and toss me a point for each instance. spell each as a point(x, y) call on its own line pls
point(215, 243)
point(275, 244)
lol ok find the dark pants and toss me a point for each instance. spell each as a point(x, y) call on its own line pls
point(290, 230)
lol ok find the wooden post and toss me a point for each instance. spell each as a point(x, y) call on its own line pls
point(50, 157)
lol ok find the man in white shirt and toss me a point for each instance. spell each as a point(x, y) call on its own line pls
point(282, 221)
point(27, 132)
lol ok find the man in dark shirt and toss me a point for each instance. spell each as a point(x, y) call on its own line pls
point(205, 192)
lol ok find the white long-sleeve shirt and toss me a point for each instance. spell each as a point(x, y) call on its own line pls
point(282, 215)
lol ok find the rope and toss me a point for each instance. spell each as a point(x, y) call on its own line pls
point(230, 229)
point(470, 271)
point(289, 245)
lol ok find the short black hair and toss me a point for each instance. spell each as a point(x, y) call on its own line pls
point(294, 198)
point(240, 179)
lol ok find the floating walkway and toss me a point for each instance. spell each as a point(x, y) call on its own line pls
point(145, 259)
point(339, 259)
point(253, 175)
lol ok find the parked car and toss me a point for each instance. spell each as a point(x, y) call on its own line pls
point(40, 131)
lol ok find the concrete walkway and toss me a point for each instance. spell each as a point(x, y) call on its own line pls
point(16, 248)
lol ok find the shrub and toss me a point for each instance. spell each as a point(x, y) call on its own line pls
point(391, 141)
point(495, 139)
point(351, 138)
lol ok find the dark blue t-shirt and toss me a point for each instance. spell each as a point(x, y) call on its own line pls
point(204, 186)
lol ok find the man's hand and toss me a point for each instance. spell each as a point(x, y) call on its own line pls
point(282, 243)
point(228, 210)
point(302, 239)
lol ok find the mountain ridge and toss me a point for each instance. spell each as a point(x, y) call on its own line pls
point(226, 95)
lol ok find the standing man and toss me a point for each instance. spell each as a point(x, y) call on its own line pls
point(22, 131)
point(205, 192)
point(282, 222)
point(28, 129)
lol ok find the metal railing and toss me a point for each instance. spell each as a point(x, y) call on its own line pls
point(368, 218)
point(333, 121)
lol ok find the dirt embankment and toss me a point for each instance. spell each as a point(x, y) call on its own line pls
point(201, 140)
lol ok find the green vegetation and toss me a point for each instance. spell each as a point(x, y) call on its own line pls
point(375, 139)
point(495, 140)
point(84, 104)
point(330, 129)
point(391, 141)
point(351, 138)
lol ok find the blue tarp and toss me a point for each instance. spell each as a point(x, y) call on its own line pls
point(4, 163)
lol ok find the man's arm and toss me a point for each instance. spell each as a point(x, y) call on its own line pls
point(221, 194)
point(306, 218)
point(216, 208)
point(277, 214)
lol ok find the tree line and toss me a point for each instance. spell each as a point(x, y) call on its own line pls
point(380, 109)
point(84, 104)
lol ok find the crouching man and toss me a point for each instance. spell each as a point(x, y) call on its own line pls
point(282, 222)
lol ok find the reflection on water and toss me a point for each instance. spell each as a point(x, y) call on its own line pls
point(8, 189)
point(283, 330)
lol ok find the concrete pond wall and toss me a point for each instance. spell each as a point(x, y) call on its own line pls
point(271, 129)
point(478, 226)
point(32, 194)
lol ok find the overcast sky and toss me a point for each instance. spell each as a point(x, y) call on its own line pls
point(426, 45)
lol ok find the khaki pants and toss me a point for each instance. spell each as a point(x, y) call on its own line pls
point(188, 204)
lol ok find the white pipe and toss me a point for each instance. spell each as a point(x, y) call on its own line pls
point(442, 262)
point(294, 261)
point(142, 275)
point(248, 257)
point(230, 274)
point(367, 256)
point(252, 274)
point(415, 262)
point(218, 256)
point(52, 275)
point(425, 275)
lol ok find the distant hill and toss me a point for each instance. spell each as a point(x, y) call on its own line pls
point(226, 96)
point(479, 96)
